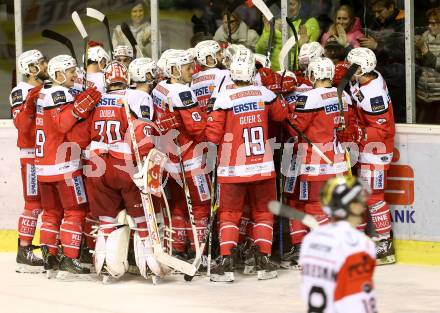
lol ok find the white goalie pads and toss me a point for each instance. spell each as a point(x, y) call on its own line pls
point(112, 249)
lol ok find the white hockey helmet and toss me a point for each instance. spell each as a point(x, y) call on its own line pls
point(309, 51)
point(116, 72)
point(192, 52)
point(260, 58)
point(97, 54)
point(229, 53)
point(161, 63)
point(27, 58)
point(60, 63)
point(176, 58)
point(363, 57)
point(122, 50)
point(207, 48)
point(243, 65)
point(139, 68)
point(321, 68)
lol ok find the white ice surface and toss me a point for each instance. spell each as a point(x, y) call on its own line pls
point(399, 289)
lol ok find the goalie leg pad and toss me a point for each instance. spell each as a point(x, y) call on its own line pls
point(145, 256)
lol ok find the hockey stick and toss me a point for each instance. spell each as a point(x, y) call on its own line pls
point(290, 43)
point(188, 200)
point(97, 15)
point(207, 237)
point(280, 209)
point(295, 34)
point(161, 256)
point(82, 30)
point(340, 89)
point(127, 32)
point(262, 7)
point(314, 147)
point(47, 33)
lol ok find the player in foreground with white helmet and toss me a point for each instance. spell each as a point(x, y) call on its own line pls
point(123, 54)
point(59, 169)
point(176, 109)
point(317, 115)
point(98, 59)
point(33, 65)
point(307, 53)
point(210, 57)
point(337, 260)
point(238, 124)
point(374, 133)
point(143, 74)
point(114, 198)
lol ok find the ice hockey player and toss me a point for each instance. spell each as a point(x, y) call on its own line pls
point(307, 53)
point(143, 74)
point(239, 126)
point(123, 54)
point(58, 167)
point(114, 198)
point(176, 109)
point(33, 65)
point(98, 59)
point(374, 134)
point(337, 260)
point(317, 115)
point(212, 76)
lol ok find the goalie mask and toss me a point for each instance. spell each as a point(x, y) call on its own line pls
point(363, 57)
point(308, 52)
point(339, 193)
point(98, 54)
point(243, 65)
point(139, 70)
point(207, 48)
point(60, 63)
point(116, 72)
point(27, 59)
point(321, 68)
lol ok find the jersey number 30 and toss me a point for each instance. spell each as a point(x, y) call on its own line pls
point(112, 130)
point(254, 140)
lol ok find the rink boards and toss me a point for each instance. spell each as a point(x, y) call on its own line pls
point(413, 192)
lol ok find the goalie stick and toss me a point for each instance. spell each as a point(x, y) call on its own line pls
point(127, 32)
point(161, 255)
point(82, 30)
point(280, 209)
point(290, 43)
point(47, 33)
point(98, 15)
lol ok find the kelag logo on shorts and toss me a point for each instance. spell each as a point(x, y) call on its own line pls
point(248, 107)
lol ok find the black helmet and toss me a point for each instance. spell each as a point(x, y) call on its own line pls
point(339, 192)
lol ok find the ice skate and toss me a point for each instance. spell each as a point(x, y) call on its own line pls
point(50, 262)
point(224, 270)
point(27, 261)
point(249, 260)
point(264, 266)
point(290, 259)
point(71, 270)
point(385, 251)
point(86, 258)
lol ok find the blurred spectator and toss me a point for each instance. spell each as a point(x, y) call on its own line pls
point(428, 56)
point(307, 28)
point(346, 29)
point(240, 32)
point(386, 37)
point(140, 28)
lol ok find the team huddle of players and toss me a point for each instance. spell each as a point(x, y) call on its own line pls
point(78, 165)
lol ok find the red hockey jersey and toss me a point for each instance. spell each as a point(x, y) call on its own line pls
point(179, 99)
point(239, 125)
point(317, 115)
point(375, 114)
point(54, 119)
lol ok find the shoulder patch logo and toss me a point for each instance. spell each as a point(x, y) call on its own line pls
point(59, 97)
point(17, 97)
point(300, 102)
point(186, 98)
point(145, 111)
point(377, 104)
point(359, 95)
